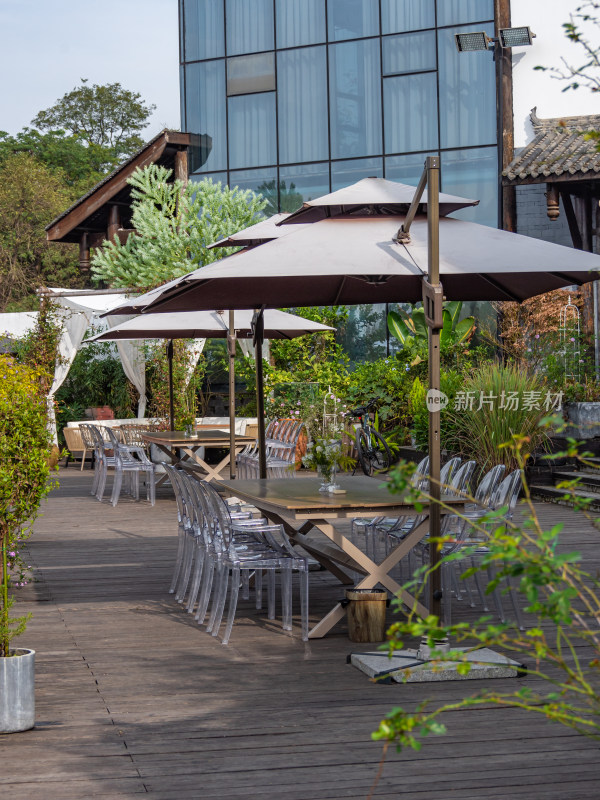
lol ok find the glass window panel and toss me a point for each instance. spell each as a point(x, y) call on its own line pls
point(345, 173)
point(410, 109)
point(183, 123)
point(406, 15)
point(246, 74)
point(467, 93)
point(302, 182)
point(252, 130)
point(406, 169)
point(355, 99)
point(204, 29)
point(300, 22)
point(249, 26)
point(455, 12)
point(412, 52)
point(260, 181)
point(216, 177)
point(205, 108)
point(352, 19)
point(363, 335)
point(473, 174)
point(302, 105)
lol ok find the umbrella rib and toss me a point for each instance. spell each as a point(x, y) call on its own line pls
point(570, 279)
point(412, 258)
point(339, 291)
point(500, 288)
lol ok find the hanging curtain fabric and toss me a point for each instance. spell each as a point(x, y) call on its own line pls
point(133, 359)
point(194, 348)
point(74, 325)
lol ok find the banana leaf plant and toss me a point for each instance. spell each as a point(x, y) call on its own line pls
point(411, 329)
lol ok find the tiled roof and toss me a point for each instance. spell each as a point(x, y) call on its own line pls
point(559, 149)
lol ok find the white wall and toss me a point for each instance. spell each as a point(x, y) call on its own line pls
point(534, 88)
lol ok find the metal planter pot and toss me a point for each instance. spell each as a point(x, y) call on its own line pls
point(17, 696)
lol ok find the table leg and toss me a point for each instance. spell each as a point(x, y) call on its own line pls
point(376, 573)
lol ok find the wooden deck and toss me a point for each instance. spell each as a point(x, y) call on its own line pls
point(133, 698)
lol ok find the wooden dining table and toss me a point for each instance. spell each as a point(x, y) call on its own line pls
point(184, 450)
point(298, 505)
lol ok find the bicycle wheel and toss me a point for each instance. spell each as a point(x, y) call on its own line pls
point(373, 452)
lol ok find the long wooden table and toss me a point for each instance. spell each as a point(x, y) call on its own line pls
point(292, 501)
point(183, 449)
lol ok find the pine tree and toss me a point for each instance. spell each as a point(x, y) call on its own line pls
point(174, 223)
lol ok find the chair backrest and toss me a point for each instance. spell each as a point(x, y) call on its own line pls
point(448, 470)
point(488, 484)
point(420, 477)
point(175, 483)
point(507, 493)
point(132, 435)
point(87, 437)
point(460, 480)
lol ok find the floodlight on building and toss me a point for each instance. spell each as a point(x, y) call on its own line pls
point(466, 42)
point(515, 37)
point(507, 37)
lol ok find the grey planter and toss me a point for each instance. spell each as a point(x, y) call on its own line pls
point(583, 420)
point(17, 695)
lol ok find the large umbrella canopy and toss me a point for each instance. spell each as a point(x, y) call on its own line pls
point(261, 232)
point(209, 325)
point(368, 196)
point(217, 325)
point(350, 260)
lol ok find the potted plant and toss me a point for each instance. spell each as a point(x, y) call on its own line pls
point(25, 445)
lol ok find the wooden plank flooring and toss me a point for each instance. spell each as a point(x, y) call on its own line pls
point(133, 698)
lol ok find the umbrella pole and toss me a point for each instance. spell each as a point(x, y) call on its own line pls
point(432, 303)
point(171, 403)
point(258, 328)
point(231, 349)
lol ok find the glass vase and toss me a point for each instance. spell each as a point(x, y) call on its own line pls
point(333, 486)
point(324, 473)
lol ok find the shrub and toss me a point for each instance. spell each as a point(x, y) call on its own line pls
point(25, 445)
point(494, 405)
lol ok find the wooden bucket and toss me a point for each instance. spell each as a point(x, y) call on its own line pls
point(366, 615)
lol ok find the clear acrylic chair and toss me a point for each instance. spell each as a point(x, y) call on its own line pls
point(131, 461)
point(251, 546)
point(184, 530)
point(462, 534)
point(104, 459)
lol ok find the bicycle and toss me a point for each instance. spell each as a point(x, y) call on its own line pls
point(374, 454)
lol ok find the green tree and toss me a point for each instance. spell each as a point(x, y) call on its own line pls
point(80, 166)
point(30, 197)
point(108, 116)
point(174, 224)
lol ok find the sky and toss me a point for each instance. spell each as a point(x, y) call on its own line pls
point(47, 46)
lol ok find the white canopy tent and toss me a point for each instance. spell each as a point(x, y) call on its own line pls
point(80, 310)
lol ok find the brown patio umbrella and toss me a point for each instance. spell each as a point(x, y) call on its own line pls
point(362, 256)
point(210, 325)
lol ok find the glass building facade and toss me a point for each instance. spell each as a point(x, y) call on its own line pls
point(296, 98)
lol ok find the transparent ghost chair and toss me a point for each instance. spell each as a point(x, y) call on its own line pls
point(185, 532)
point(104, 459)
point(461, 534)
point(90, 443)
point(253, 547)
point(247, 460)
point(364, 526)
point(131, 461)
